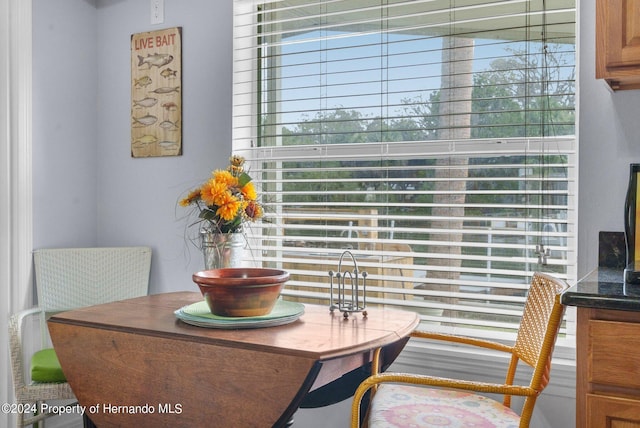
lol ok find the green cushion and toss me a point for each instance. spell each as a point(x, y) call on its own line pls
point(45, 367)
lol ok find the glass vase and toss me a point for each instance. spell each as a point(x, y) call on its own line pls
point(222, 250)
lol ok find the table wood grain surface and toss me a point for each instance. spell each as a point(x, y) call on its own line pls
point(133, 363)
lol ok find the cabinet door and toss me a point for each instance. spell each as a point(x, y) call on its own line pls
point(612, 412)
point(612, 355)
point(618, 34)
point(618, 43)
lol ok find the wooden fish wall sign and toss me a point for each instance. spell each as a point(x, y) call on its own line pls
point(156, 93)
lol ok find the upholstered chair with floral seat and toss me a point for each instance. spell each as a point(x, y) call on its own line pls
point(407, 400)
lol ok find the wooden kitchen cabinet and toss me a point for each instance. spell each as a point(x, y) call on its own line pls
point(608, 369)
point(605, 412)
point(618, 43)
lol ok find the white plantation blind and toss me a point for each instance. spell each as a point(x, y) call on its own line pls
point(432, 139)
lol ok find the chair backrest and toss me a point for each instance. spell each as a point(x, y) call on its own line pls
point(70, 278)
point(541, 318)
point(537, 335)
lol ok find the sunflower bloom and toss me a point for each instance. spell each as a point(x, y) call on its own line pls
point(253, 211)
point(236, 161)
point(229, 208)
point(226, 178)
point(213, 192)
point(249, 191)
point(235, 170)
point(193, 196)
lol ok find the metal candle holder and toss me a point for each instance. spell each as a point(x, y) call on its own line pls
point(348, 303)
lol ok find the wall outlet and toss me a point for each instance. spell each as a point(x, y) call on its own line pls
point(157, 11)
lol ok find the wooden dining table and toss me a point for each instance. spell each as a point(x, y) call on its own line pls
point(133, 363)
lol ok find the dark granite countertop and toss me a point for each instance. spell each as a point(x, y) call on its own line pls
point(604, 288)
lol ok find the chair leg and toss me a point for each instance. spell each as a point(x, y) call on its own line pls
point(87, 422)
point(36, 413)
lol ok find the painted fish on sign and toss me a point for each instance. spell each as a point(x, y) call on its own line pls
point(155, 60)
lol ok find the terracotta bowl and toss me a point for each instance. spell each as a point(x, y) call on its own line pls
point(241, 292)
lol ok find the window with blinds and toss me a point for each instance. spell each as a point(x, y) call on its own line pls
point(433, 139)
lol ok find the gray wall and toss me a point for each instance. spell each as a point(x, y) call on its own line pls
point(64, 123)
point(609, 135)
point(88, 189)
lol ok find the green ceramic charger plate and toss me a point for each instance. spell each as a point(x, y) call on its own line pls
point(198, 314)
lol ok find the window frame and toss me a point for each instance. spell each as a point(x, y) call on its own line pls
point(244, 144)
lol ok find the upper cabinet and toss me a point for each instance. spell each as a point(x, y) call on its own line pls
point(618, 43)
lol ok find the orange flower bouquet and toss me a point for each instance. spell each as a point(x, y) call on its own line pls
point(227, 200)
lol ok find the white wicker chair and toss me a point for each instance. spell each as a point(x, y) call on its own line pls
point(69, 278)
